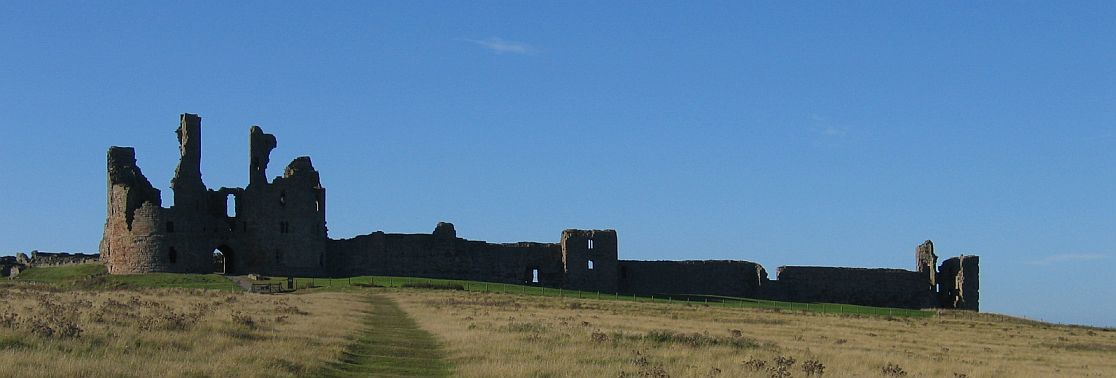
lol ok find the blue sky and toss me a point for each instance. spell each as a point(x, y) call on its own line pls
point(807, 133)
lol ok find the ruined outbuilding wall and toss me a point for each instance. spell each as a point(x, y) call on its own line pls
point(959, 283)
point(710, 277)
point(6, 265)
point(61, 258)
point(862, 286)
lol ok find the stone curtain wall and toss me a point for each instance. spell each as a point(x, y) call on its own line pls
point(443, 255)
point(731, 278)
point(870, 287)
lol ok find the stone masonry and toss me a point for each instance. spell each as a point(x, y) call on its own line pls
point(278, 227)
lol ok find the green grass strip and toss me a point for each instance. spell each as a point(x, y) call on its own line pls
point(348, 283)
point(95, 276)
point(391, 345)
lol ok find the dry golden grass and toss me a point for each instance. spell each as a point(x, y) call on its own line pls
point(171, 332)
point(510, 335)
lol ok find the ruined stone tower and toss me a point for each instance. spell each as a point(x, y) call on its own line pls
point(590, 259)
point(276, 227)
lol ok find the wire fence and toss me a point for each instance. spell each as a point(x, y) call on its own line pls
point(537, 290)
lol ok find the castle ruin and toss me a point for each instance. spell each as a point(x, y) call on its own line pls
point(278, 227)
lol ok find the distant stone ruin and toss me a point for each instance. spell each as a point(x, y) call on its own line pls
point(278, 228)
point(11, 266)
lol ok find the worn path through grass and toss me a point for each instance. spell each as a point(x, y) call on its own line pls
point(391, 345)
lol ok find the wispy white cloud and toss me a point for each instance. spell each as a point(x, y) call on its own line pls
point(826, 129)
point(500, 46)
point(1069, 258)
point(830, 130)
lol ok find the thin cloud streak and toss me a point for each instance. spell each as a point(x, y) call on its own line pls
point(500, 46)
point(1068, 258)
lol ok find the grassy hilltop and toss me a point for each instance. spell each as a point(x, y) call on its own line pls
point(78, 321)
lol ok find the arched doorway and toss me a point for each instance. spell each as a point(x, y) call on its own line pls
point(223, 260)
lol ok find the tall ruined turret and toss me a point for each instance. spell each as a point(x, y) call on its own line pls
point(260, 145)
point(926, 262)
point(189, 190)
point(134, 210)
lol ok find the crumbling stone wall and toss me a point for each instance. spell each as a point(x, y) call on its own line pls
point(10, 266)
point(62, 258)
point(711, 277)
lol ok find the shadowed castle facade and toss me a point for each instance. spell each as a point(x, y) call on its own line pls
point(278, 227)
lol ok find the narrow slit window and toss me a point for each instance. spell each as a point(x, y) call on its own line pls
point(172, 255)
point(590, 243)
point(230, 206)
point(534, 276)
point(590, 264)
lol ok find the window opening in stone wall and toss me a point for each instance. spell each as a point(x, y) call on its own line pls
point(318, 205)
point(590, 264)
point(230, 206)
point(590, 243)
point(321, 259)
point(170, 227)
point(278, 255)
point(283, 198)
point(172, 255)
point(534, 276)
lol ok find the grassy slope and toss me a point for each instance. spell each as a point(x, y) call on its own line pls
point(94, 276)
point(491, 334)
point(170, 332)
point(543, 331)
